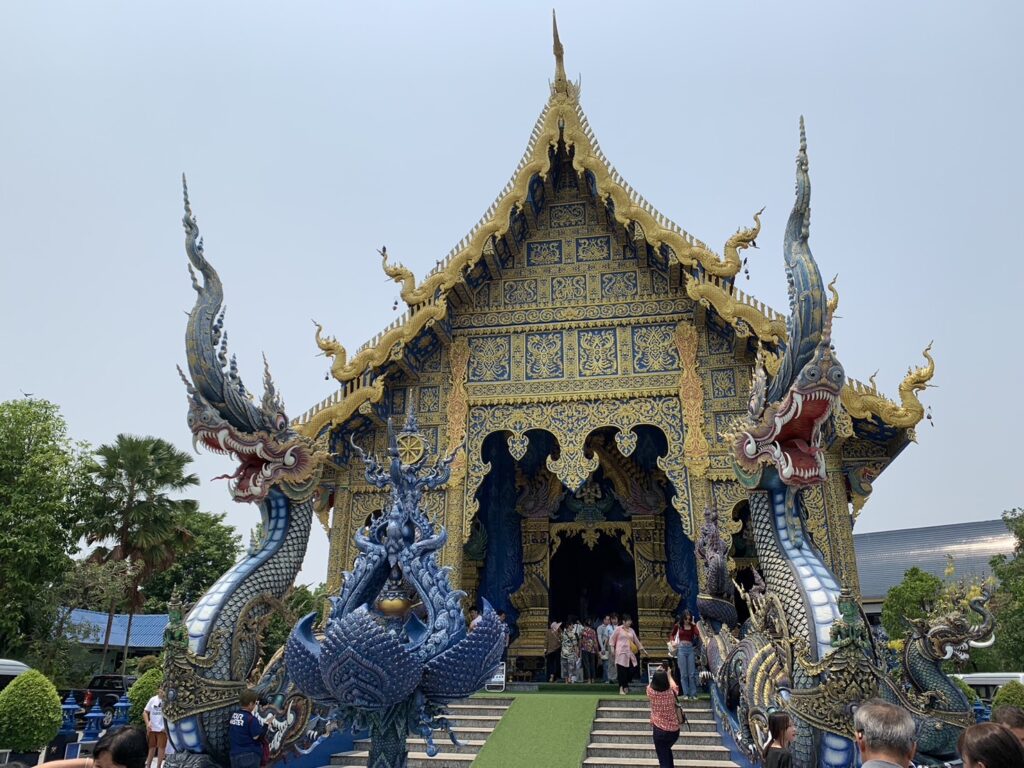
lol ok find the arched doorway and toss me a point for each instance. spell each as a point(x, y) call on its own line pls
point(592, 578)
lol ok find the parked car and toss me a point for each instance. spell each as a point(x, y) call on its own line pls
point(104, 690)
point(985, 684)
point(10, 669)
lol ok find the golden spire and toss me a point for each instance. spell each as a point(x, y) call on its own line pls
point(561, 84)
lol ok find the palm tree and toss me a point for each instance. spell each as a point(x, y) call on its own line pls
point(136, 520)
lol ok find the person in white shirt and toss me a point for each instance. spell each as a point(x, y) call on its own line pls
point(603, 633)
point(474, 618)
point(156, 728)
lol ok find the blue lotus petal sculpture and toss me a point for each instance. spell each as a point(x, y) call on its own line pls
point(395, 649)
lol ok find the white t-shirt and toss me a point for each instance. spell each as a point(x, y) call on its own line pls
point(155, 707)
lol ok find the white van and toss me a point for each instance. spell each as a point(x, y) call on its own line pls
point(985, 684)
point(9, 670)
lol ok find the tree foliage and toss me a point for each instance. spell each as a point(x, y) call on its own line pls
point(136, 519)
point(142, 691)
point(44, 489)
point(1009, 695)
point(214, 548)
point(912, 598)
point(1008, 601)
point(86, 584)
point(30, 713)
point(299, 602)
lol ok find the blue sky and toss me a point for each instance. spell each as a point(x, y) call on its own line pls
point(313, 133)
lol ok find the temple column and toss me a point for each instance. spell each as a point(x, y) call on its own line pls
point(655, 599)
point(531, 599)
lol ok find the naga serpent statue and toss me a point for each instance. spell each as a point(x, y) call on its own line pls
point(215, 652)
point(395, 649)
point(807, 649)
point(777, 453)
point(939, 707)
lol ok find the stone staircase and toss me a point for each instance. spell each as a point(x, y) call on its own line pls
point(621, 736)
point(473, 720)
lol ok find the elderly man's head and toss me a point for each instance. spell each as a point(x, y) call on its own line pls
point(885, 732)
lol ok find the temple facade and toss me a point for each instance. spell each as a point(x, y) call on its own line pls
point(587, 358)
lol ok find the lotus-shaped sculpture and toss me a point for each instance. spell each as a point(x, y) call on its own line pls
point(395, 648)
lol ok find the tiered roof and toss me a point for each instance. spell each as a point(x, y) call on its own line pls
point(707, 276)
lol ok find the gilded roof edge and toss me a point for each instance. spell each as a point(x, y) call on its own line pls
point(563, 118)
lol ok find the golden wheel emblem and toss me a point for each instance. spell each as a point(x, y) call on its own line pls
point(410, 448)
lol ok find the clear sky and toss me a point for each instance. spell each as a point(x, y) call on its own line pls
point(313, 133)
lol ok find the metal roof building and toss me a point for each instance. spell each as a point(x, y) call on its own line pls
point(147, 629)
point(883, 557)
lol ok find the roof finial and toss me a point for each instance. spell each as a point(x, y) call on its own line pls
point(561, 81)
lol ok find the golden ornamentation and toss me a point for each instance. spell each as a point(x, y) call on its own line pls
point(862, 403)
point(598, 353)
point(590, 532)
point(410, 448)
point(338, 413)
point(340, 539)
point(458, 408)
point(833, 303)
point(389, 346)
point(745, 318)
point(638, 491)
point(489, 358)
point(691, 396)
point(814, 505)
point(571, 423)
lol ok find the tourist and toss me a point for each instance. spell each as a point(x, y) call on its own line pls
point(604, 632)
point(990, 745)
point(782, 730)
point(885, 734)
point(156, 728)
point(664, 721)
point(683, 643)
point(571, 634)
point(474, 618)
point(589, 647)
point(245, 733)
point(552, 649)
point(119, 747)
point(625, 646)
point(1012, 717)
point(503, 620)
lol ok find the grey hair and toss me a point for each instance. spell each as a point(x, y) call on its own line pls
point(885, 727)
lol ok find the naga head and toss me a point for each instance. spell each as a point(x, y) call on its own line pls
point(223, 416)
point(951, 637)
point(786, 415)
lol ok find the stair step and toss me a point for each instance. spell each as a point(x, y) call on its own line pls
point(641, 750)
point(644, 737)
point(469, 746)
point(643, 762)
point(638, 723)
point(416, 759)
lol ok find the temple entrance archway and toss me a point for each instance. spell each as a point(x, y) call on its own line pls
point(592, 576)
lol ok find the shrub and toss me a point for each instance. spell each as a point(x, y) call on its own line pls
point(30, 713)
point(143, 664)
point(1009, 695)
point(141, 692)
point(970, 693)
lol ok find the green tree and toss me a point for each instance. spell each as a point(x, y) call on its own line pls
point(136, 519)
point(1008, 600)
point(912, 598)
point(215, 548)
point(298, 602)
point(1009, 695)
point(59, 653)
point(44, 487)
point(142, 691)
point(30, 713)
